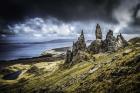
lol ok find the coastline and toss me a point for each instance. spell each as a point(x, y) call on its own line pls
point(48, 55)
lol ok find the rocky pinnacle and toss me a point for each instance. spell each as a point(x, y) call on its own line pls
point(98, 32)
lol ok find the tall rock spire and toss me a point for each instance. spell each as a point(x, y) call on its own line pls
point(96, 45)
point(98, 32)
point(110, 44)
point(110, 41)
point(78, 46)
point(81, 45)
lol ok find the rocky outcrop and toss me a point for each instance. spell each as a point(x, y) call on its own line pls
point(96, 45)
point(98, 32)
point(69, 56)
point(120, 41)
point(79, 45)
point(110, 44)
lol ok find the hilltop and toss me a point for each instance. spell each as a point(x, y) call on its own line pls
point(105, 66)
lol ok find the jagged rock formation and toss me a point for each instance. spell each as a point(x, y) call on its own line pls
point(98, 32)
point(120, 41)
point(68, 56)
point(97, 45)
point(110, 44)
point(79, 45)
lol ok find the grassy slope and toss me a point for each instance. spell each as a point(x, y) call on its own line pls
point(109, 73)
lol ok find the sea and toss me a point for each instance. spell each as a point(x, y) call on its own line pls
point(17, 50)
point(12, 47)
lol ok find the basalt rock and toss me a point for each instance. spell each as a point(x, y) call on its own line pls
point(110, 42)
point(120, 41)
point(96, 46)
point(81, 55)
point(98, 32)
point(69, 56)
point(79, 45)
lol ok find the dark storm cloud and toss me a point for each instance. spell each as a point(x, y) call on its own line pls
point(121, 12)
point(67, 10)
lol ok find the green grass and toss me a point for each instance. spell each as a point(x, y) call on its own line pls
point(115, 73)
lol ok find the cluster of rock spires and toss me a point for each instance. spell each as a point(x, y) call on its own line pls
point(79, 45)
point(110, 44)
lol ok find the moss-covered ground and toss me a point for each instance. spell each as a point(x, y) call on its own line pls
point(117, 72)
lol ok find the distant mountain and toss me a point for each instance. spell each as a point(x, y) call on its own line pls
point(43, 42)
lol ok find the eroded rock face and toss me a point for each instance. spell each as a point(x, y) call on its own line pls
point(69, 56)
point(96, 46)
point(98, 32)
point(120, 41)
point(81, 55)
point(110, 42)
point(79, 45)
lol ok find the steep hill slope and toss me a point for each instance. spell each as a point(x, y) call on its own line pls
point(117, 72)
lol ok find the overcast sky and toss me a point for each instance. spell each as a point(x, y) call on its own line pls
point(65, 17)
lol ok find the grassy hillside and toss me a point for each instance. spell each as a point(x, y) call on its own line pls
point(117, 72)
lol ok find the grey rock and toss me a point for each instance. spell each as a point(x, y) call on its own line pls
point(96, 46)
point(98, 32)
point(110, 42)
point(69, 56)
point(79, 49)
point(120, 41)
point(79, 45)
